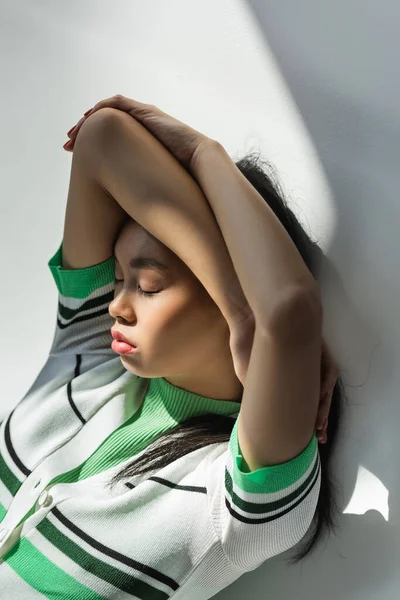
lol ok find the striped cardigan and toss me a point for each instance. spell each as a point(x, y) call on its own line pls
point(187, 531)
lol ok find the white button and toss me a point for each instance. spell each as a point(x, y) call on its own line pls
point(45, 499)
point(3, 534)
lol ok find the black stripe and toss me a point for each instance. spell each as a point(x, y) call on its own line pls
point(89, 317)
point(114, 554)
point(69, 389)
point(243, 519)
point(171, 484)
point(8, 478)
point(71, 314)
point(127, 582)
point(260, 508)
point(11, 450)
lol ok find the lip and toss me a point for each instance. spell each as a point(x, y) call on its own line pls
point(117, 335)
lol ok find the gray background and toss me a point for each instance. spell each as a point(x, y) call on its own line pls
point(315, 86)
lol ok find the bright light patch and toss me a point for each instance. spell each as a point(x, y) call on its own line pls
point(369, 494)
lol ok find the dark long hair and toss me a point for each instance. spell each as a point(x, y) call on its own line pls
point(200, 431)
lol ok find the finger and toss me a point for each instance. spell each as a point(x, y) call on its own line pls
point(123, 103)
point(118, 102)
point(323, 411)
point(320, 423)
point(69, 146)
point(329, 376)
point(321, 436)
point(329, 383)
point(75, 132)
point(329, 363)
point(113, 102)
point(321, 426)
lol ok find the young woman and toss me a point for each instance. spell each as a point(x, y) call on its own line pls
point(188, 343)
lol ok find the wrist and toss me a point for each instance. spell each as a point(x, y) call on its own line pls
point(205, 147)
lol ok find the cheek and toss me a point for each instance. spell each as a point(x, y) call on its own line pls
point(174, 317)
point(182, 325)
point(195, 323)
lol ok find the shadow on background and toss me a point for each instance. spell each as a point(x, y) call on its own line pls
point(337, 61)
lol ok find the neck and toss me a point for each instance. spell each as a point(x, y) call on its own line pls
point(219, 387)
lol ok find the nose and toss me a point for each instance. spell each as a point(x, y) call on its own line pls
point(121, 308)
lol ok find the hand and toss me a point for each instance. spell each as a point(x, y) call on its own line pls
point(180, 139)
point(329, 375)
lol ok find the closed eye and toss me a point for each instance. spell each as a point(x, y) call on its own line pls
point(139, 289)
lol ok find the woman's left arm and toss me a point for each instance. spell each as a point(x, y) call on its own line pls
point(270, 269)
point(282, 387)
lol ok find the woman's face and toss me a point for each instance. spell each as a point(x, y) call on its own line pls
point(179, 332)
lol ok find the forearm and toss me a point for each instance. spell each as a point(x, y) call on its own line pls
point(269, 267)
point(155, 190)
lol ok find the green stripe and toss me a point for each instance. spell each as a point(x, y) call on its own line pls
point(80, 283)
point(163, 407)
point(30, 512)
point(120, 445)
point(8, 477)
point(44, 576)
point(255, 508)
point(119, 579)
point(271, 479)
point(3, 512)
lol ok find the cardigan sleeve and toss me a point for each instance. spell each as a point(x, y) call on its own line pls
point(83, 321)
point(259, 514)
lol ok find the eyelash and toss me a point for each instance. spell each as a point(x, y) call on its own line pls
point(139, 289)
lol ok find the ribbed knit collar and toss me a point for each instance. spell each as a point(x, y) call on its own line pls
point(164, 406)
point(181, 404)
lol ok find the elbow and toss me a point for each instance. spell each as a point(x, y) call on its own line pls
point(102, 121)
point(104, 124)
point(299, 314)
point(97, 130)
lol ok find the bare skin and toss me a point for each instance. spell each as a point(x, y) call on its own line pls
point(180, 332)
point(172, 133)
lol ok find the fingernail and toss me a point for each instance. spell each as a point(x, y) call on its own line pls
point(71, 130)
point(87, 112)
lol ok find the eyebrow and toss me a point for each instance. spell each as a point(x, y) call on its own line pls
point(142, 262)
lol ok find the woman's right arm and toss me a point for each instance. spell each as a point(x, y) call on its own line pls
point(156, 191)
point(93, 219)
